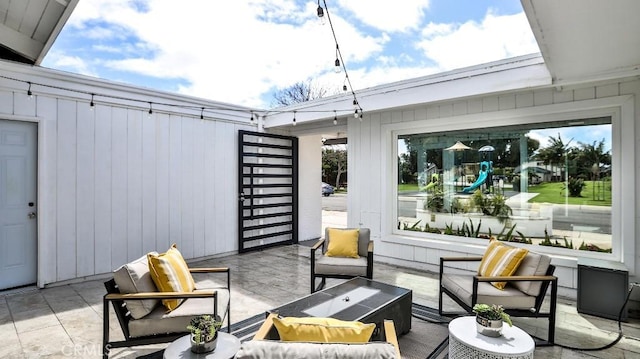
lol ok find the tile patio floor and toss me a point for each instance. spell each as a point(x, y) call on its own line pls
point(65, 321)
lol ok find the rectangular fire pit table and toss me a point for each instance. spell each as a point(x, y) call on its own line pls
point(359, 299)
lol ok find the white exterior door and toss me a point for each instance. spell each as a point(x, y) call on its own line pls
point(18, 224)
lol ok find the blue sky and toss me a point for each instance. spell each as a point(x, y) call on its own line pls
point(240, 52)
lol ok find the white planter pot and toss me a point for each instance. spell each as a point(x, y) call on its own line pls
point(488, 327)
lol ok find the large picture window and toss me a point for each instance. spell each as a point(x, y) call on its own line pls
point(543, 184)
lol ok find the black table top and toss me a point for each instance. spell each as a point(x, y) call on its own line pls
point(351, 300)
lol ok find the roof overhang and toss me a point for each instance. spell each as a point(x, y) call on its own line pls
point(586, 40)
point(29, 28)
point(524, 72)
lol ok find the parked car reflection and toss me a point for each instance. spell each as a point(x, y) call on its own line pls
point(327, 189)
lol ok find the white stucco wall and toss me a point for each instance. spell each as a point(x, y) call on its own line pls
point(371, 165)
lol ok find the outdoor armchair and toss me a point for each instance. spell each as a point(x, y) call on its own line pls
point(144, 320)
point(522, 296)
point(325, 266)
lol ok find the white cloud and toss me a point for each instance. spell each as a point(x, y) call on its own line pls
point(471, 43)
point(239, 51)
point(226, 50)
point(396, 16)
point(70, 63)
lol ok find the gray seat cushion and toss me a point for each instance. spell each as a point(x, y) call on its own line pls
point(176, 321)
point(339, 265)
point(511, 298)
point(266, 349)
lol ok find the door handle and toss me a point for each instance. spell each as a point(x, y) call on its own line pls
point(32, 215)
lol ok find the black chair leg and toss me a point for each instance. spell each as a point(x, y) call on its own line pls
point(323, 282)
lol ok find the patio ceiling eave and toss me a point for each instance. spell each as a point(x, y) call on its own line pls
point(525, 72)
point(586, 40)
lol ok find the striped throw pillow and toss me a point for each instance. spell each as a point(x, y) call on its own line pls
point(170, 273)
point(500, 260)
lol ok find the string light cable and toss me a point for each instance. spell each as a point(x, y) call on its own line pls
point(93, 98)
point(340, 61)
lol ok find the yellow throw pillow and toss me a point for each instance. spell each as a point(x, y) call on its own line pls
point(343, 243)
point(500, 260)
point(170, 273)
point(322, 330)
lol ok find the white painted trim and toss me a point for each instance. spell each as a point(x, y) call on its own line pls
point(619, 108)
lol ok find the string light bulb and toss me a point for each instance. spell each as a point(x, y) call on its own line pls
point(150, 109)
point(335, 118)
point(29, 93)
point(294, 118)
point(251, 119)
point(337, 67)
point(91, 104)
point(320, 12)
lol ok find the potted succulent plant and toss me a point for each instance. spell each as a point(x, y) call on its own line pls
point(204, 333)
point(489, 319)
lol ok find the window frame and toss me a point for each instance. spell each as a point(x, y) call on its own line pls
point(619, 108)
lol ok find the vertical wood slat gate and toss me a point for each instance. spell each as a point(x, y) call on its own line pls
point(268, 190)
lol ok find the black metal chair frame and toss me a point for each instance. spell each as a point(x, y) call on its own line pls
point(321, 244)
point(547, 279)
point(117, 299)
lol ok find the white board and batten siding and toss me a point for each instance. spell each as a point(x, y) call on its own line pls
point(115, 183)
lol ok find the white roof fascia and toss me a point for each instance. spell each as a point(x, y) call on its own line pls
point(71, 5)
point(65, 84)
point(517, 73)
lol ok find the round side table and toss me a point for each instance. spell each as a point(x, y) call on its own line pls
point(227, 347)
point(466, 342)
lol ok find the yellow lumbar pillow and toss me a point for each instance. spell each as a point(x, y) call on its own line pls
point(170, 273)
point(322, 330)
point(500, 260)
point(343, 243)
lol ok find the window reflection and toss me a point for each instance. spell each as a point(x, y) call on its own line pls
point(544, 184)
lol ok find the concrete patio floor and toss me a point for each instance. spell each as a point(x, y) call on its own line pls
point(66, 321)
